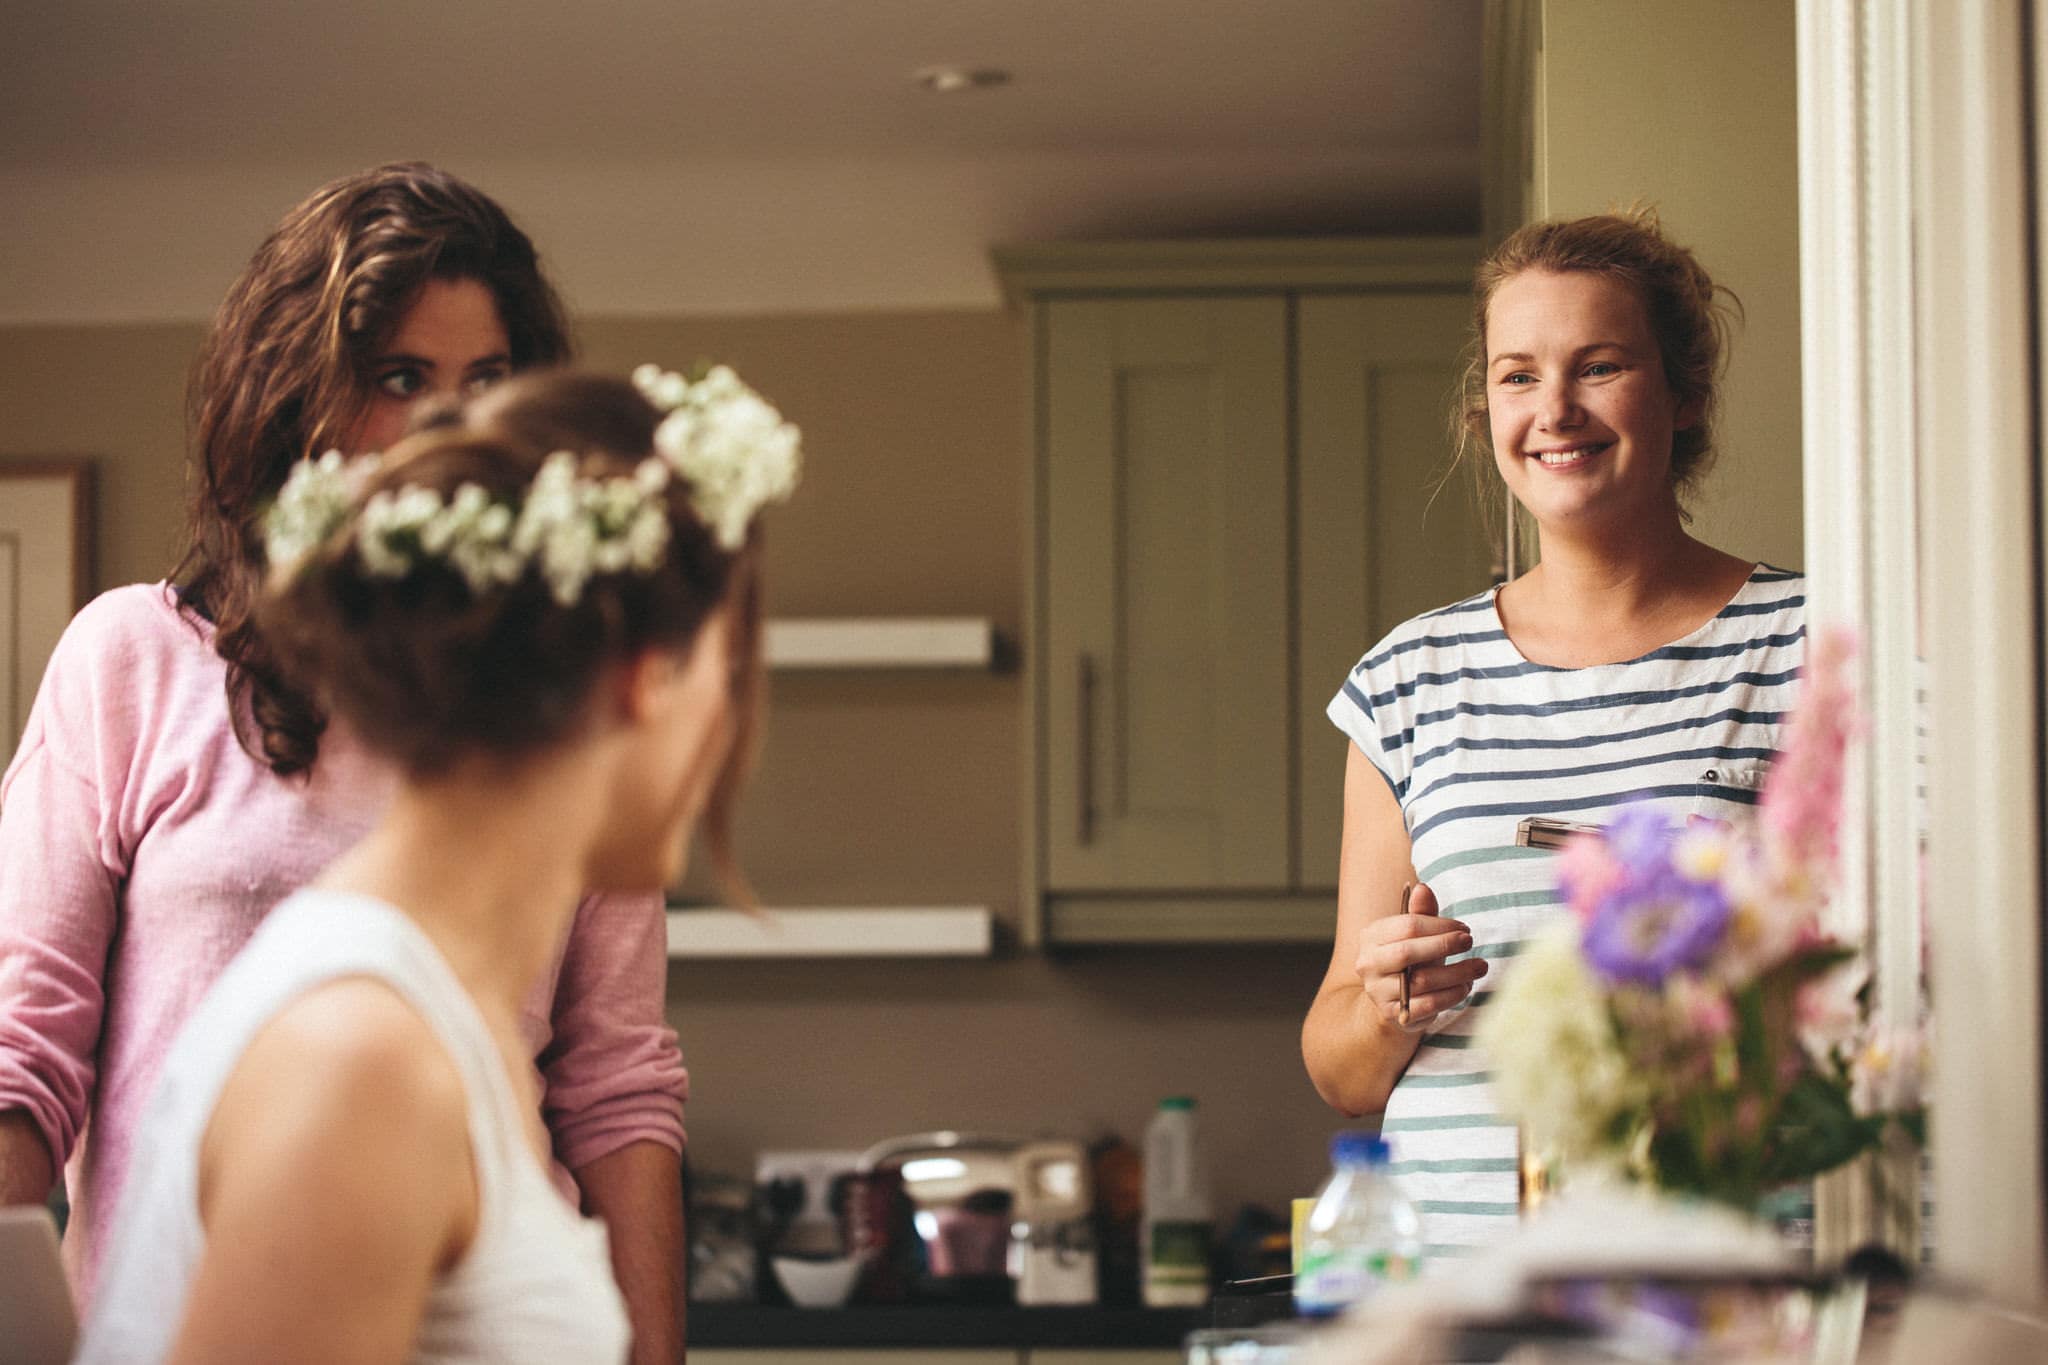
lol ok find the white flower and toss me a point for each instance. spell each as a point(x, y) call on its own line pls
point(1828, 1010)
point(1887, 1070)
point(1549, 1039)
point(661, 387)
point(1701, 852)
point(652, 474)
point(473, 533)
point(580, 527)
point(733, 447)
point(313, 503)
point(389, 533)
point(1769, 916)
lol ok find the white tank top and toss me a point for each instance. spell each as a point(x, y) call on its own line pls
point(536, 1282)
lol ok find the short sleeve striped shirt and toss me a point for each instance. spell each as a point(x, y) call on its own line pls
point(1472, 737)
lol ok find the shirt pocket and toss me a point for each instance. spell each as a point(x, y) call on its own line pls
point(1727, 787)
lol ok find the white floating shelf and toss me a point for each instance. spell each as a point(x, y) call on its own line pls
point(840, 931)
point(880, 642)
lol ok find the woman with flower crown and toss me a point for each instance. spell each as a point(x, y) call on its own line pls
point(1633, 661)
point(173, 784)
point(543, 613)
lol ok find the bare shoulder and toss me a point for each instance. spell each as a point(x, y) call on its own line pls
point(349, 1087)
point(357, 1040)
point(336, 1183)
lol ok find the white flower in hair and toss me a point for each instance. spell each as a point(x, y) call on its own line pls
point(392, 531)
point(579, 527)
point(733, 450)
point(312, 505)
point(474, 534)
point(725, 439)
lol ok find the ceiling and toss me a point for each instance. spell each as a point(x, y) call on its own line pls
point(727, 156)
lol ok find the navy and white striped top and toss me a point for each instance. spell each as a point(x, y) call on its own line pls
point(1473, 737)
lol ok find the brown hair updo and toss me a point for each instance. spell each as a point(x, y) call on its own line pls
point(1689, 316)
point(285, 372)
point(428, 671)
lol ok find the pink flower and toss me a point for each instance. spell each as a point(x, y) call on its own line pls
point(1802, 799)
point(1707, 1011)
point(1749, 1117)
point(1586, 873)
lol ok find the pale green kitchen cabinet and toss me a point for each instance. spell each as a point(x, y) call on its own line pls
point(1386, 530)
point(1238, 484)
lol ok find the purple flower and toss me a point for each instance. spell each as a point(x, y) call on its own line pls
point(1640, 839)
point(1648, 928)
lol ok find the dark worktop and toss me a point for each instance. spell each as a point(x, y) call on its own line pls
point(937, 1325)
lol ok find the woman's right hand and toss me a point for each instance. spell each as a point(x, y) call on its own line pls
point(1415, 941)
point(1354, 1041)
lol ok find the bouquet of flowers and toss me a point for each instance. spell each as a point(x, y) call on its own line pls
point(1691, 1023)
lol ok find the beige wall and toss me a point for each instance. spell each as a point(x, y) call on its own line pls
point(1697, 113)
point(115, 394)
point(872, 789)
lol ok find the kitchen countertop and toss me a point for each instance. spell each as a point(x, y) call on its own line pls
point(908, 1325)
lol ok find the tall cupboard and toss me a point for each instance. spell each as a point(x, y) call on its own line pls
point(1240, 479)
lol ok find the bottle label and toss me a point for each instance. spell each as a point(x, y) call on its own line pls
point(1332, 1279)
point(1177, 1253)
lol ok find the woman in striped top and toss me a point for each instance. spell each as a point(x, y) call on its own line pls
point(1632, 661)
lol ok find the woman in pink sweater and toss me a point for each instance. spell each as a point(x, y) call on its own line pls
point(172, 785)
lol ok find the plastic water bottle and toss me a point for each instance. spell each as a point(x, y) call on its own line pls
point(1177, 1215)
point(1362, 1232)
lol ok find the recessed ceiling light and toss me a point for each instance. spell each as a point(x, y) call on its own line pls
point(951, 80)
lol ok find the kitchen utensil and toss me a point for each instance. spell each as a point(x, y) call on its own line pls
point(816, 1283)
point(879, 1232)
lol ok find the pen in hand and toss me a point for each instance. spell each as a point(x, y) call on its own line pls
point(1407, 894)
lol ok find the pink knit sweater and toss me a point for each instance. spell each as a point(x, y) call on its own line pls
point(140, 846)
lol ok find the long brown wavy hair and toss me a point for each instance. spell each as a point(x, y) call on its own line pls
point(285, 372)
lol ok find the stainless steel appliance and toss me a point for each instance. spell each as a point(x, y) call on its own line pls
point(991, 1219)
point(960, 1189)
point(1052, 1235)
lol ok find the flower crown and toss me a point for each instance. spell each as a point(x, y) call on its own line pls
point(725, 441)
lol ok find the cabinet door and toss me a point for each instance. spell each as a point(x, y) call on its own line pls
point(1385, 534)
point(1165, 556)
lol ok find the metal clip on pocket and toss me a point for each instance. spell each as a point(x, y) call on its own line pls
point(1540, 831)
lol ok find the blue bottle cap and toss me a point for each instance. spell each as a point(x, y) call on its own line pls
point(1356, 1146)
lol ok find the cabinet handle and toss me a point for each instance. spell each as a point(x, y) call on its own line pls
point(1084, 749)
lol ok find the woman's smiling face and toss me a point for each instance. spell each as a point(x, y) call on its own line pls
point(1577, 403)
